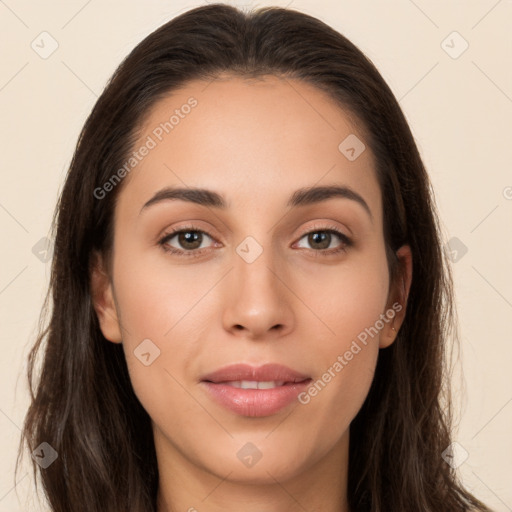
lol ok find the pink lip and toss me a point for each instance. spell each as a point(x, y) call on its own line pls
point(263, 373)
point(255, 402)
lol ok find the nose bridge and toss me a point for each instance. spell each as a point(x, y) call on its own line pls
point(253, 262)
point(257, 300)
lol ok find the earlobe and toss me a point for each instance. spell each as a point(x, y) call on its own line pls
point(398, 296)
point(103, 301)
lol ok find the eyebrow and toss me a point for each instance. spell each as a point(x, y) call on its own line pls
point(301, 197)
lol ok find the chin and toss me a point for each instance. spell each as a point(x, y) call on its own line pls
point(251, 465)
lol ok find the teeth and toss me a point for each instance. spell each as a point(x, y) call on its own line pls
point(252, 384)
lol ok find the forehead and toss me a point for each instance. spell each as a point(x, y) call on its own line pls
point(253, 140)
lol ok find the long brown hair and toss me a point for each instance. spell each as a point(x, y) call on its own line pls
point(83, 404)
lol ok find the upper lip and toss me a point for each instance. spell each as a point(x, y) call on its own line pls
point(264, 373)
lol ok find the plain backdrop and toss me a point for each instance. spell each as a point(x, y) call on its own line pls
point(448, 62)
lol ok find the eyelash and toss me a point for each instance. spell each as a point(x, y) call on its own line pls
point(346, 241)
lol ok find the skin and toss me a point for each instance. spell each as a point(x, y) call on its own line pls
point(255, 142)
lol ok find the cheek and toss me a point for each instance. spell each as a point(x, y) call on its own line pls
point(334, 399)
point(154, 296)
point(158, 323)
point(346, 365)
point(350, 301)
point(347, 298)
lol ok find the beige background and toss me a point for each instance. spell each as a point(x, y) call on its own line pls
point(459, 109)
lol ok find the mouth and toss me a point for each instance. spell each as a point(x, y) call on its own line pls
point(254, 384)
point(255, 391)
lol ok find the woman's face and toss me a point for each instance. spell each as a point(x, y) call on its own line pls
point(258, 278)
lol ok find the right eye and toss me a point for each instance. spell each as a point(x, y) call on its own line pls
point(189, 241)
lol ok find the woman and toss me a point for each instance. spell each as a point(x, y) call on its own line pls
point(202, 352)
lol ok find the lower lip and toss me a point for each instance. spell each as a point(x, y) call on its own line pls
point(255, 402)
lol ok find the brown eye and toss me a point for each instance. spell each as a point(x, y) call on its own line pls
point(189, 239)
point(322, 240)
point(185, 241)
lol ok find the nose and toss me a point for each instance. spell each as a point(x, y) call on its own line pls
point(258, 299)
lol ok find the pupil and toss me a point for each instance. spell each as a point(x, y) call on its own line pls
point(323, 238)
point(190, 238)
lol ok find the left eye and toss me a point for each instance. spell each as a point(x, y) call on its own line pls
point(321, 239)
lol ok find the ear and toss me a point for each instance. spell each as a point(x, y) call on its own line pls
point(397, 299)
point(103, 300)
